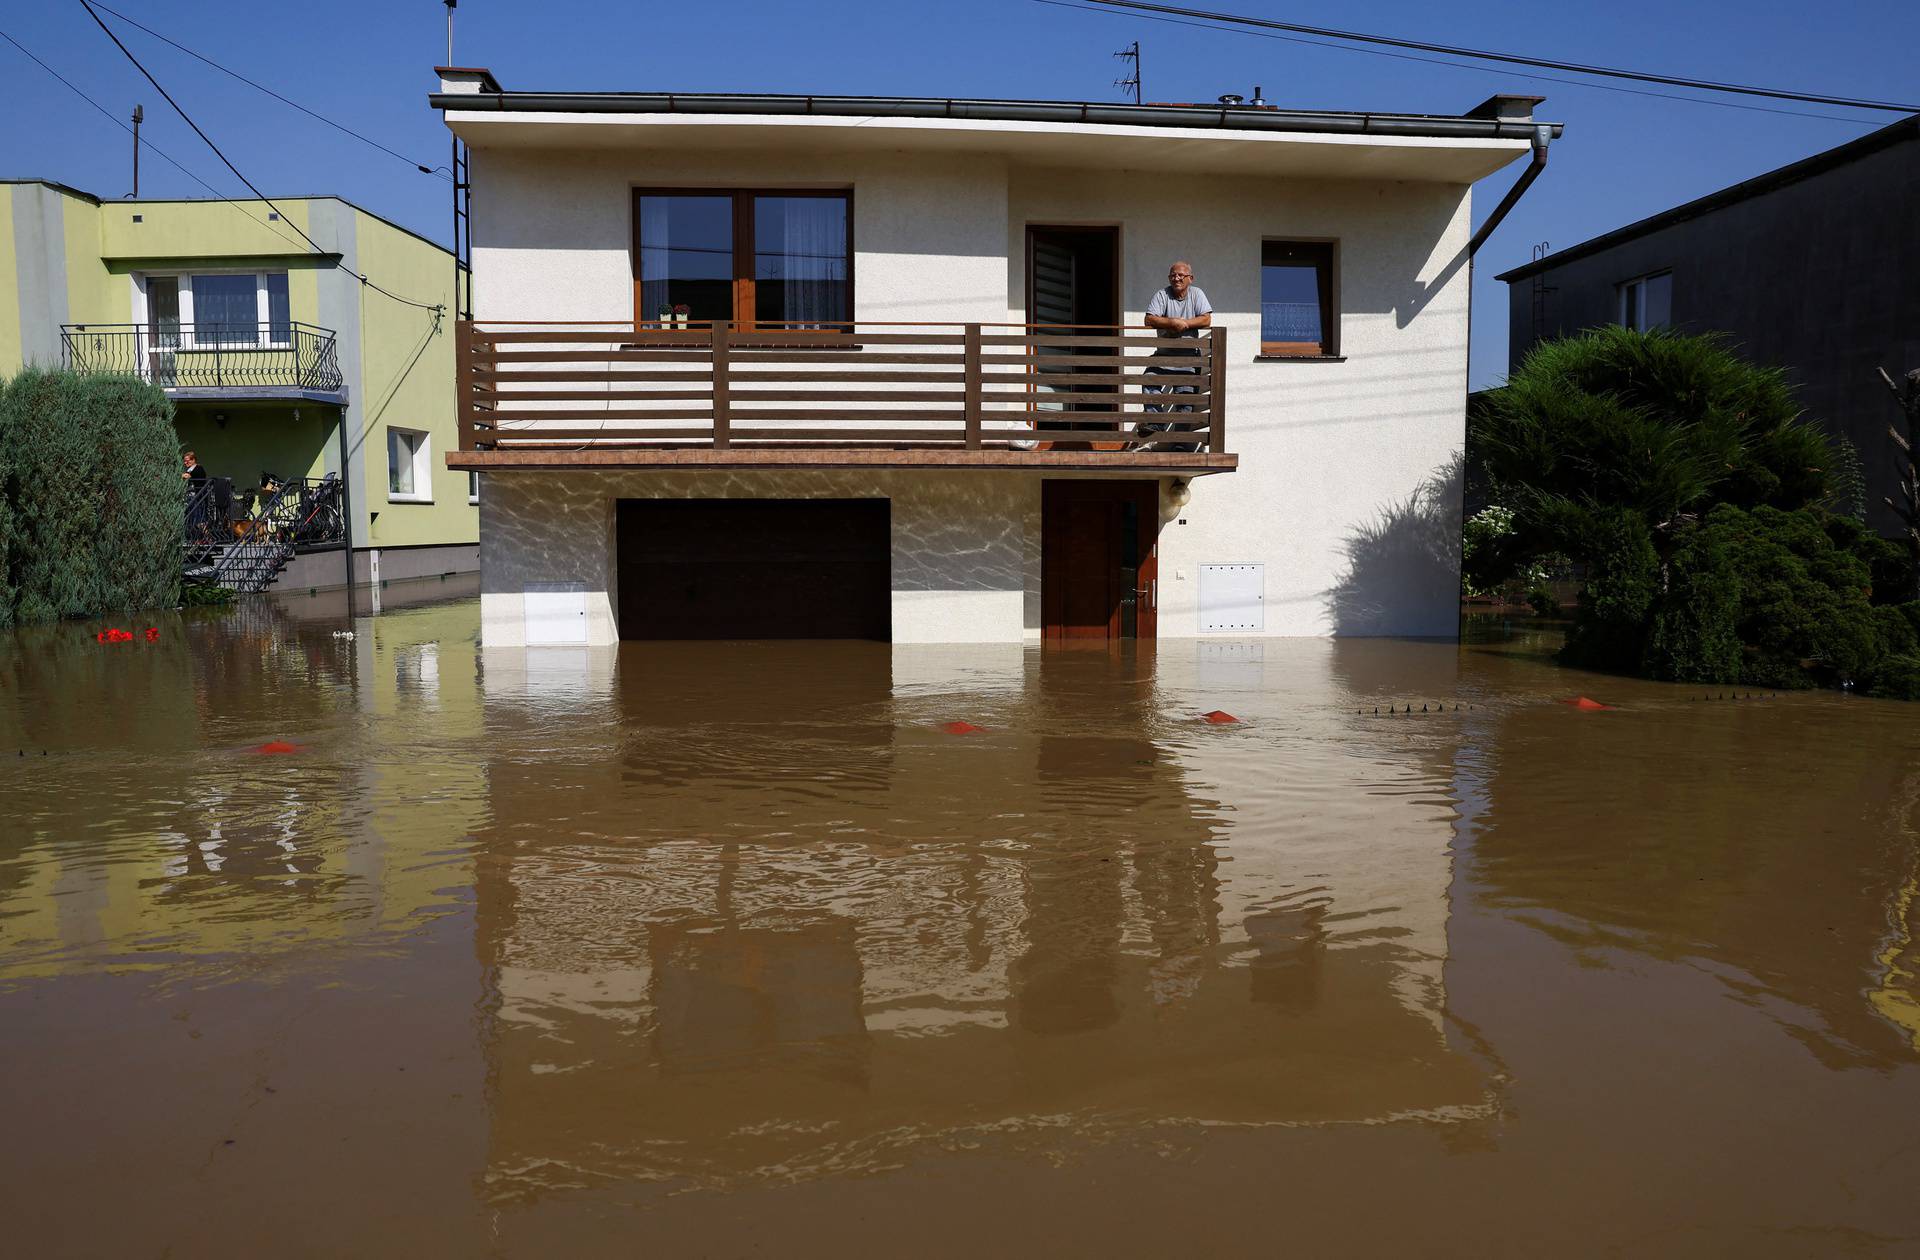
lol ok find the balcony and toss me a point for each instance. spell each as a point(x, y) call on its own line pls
point(226, 361)
point(856, 395)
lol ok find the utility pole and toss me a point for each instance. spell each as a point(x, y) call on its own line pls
point(451, 6)
point(1907, 396)
point(138, 116)
point(1130, 53)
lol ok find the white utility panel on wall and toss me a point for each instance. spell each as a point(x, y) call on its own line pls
point(556, 614)
point(1233, 598)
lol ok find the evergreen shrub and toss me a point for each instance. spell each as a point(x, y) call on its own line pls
point(90, 501)
point(1702, 507)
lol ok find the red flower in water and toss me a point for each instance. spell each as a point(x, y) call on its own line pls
point(1219, 717)
point(153, 634)
point(277, 747)
point(962, 728)
point(101, 637)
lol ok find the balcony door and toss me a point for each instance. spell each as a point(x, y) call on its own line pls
point(1073, 288)
point(768, 259)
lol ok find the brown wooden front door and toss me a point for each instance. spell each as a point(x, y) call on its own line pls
point(1099, 567)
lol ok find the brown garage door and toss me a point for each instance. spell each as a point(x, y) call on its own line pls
point(754, 569)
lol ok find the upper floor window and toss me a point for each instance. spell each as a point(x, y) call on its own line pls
point(220, 309)
point(1646, 302)
point(778, 259)
point(1297, 315)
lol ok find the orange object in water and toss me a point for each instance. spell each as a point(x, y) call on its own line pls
point(1582, 702)
point(963, 728)
point(275, 747)
point(1219, 717)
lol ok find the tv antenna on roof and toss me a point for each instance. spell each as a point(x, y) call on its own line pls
point(451, 6)
point(1130, 53)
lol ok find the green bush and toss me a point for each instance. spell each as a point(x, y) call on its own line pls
point(1702, 507)
point(1623, 579)
point(92, 496)
point(1657, 423)
point(1696, 626)
point(1897, 678)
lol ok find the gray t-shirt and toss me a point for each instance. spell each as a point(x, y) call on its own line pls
point(1192, 306)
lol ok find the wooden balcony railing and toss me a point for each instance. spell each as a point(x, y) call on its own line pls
point(899, 386)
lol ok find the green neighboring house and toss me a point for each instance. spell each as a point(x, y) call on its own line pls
point(277, 359)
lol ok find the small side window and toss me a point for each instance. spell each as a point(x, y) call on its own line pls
point(1297, 314)
point(409, 467)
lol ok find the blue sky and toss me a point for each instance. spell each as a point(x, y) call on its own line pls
point(367, 63)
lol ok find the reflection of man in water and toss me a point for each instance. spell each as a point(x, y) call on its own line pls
point(1177, 312)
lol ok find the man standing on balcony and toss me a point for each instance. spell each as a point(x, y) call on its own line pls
point(191, 472)
point(1178, 311)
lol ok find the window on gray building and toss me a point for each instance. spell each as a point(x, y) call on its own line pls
point(1647, 302)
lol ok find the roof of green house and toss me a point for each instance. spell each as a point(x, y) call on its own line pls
point(149, 201)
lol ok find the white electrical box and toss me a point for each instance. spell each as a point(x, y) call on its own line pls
point(556, 614)
point(1233, 598)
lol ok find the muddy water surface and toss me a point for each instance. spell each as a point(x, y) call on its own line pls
point(729, 949)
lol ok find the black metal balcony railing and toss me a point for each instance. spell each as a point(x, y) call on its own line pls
point(208, 356)
point(241, 538)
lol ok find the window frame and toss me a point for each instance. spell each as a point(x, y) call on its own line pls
point(1327, 265)
point(422, 468)
point(1634, 289)
point(744, 295)
point(188, 338)
point(473, 486)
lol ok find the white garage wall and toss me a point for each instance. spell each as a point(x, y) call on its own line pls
point(965, 544)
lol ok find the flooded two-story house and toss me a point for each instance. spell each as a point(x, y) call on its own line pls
point(746, 366)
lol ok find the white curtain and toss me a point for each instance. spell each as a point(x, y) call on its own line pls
point(654, 267)
point(813, 242)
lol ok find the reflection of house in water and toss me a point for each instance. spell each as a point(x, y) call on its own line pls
point(199, 845)
point(770, 920)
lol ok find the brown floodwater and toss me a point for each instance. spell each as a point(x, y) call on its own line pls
point(727, 949)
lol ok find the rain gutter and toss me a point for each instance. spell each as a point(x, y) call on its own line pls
point(1197, 117)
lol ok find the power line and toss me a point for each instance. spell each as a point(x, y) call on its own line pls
point(1089, 7)
point(1611, 72)
point(227, 162)
point(341, 127)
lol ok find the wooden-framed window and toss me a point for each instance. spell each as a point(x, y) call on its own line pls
point(1298, 317)
point(759, 257)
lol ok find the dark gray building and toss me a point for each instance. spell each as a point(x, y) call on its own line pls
point(1814, 268)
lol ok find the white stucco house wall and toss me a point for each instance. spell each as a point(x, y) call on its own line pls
point(1315, 501)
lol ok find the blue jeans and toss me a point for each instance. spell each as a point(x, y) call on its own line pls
point(1148, 427)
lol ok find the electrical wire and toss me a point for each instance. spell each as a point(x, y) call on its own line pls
point(422, 167)
point(238, 174)
point(1088, 7)
point(1612, 72)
